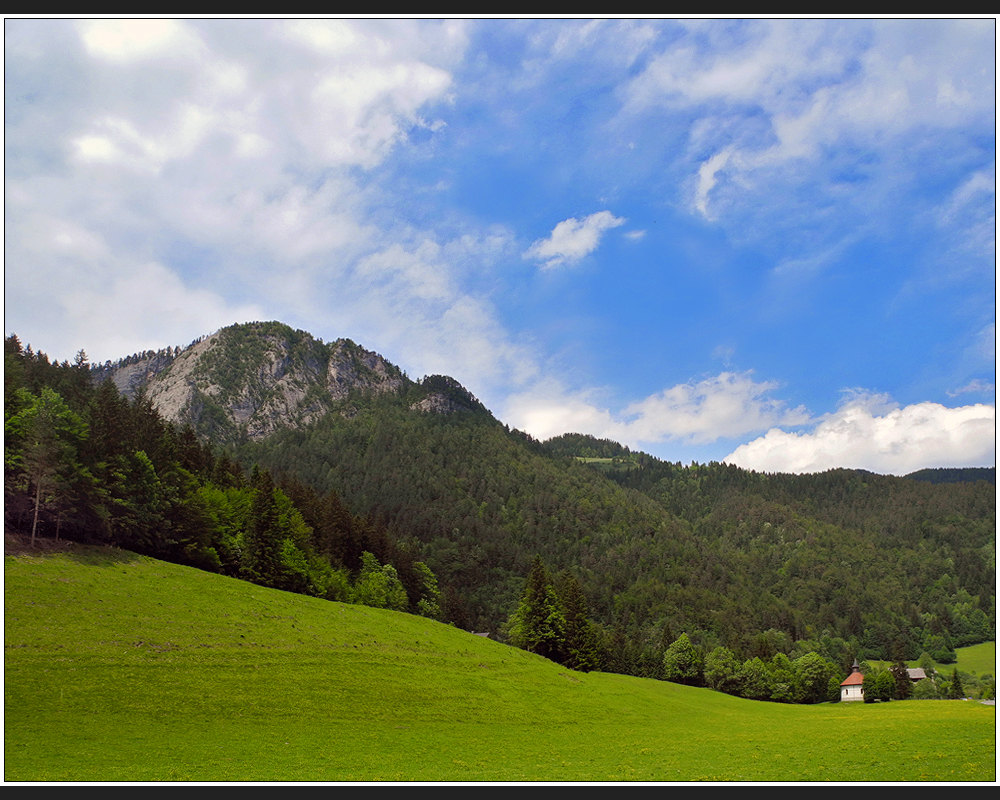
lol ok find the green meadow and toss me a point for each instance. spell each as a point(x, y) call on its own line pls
point(979, 659)
point(123, 668)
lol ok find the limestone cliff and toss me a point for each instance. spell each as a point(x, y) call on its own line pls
point(247, 381)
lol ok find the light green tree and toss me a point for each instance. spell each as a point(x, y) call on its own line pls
point(754, 679)
point(378, 585)
point(814, 675)
point(429, 604)
point(682, 663)
point(721, 670)
point(43, 438)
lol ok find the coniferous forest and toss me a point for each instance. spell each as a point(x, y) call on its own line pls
point(762, 585)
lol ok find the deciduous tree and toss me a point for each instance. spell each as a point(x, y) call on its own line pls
point(682, 663)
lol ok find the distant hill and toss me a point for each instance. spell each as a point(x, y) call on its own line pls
point(956, 475)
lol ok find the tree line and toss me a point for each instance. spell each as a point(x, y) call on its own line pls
point(81, 462)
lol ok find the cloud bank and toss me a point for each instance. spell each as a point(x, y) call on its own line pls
point(725, 406)
point(871, 432)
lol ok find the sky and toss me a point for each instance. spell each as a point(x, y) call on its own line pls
point(769, 242)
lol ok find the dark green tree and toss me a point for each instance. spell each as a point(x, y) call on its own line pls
point(538, 624)
point(878, 685)
point(580, 648)
point(45, 436)
point(903, 685)
point(955, 690)
point(263, 541)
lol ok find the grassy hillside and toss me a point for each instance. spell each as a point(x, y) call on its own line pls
point(122, 668)
point(976, 659)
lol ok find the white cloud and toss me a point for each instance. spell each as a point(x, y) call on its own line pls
point(724, 406)
point(227, 156)
point(147, 307)
point(707, 180)
point(572, 239)
point(728, 405)
point(129, 40)
point(871, 432)
point(769, 92)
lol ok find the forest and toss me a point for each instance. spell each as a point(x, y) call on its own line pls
point(763, 585)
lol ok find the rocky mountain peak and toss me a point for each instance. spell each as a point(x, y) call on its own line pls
point(247, 381)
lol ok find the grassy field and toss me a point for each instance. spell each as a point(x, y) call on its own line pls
point(122, 668)
point(980, 659)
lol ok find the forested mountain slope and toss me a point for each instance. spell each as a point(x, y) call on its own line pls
point(346, 455)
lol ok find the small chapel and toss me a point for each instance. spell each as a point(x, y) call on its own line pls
point(851, 688)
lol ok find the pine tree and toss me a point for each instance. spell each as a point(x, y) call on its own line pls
point(580, 649)
point(956, 691)
point(538, 625)
point(263, 541)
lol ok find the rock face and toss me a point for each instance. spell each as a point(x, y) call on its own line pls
point(247, 381)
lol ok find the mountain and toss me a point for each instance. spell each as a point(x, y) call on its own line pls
point(247, 381)
point(955, 475)
point(418, 472)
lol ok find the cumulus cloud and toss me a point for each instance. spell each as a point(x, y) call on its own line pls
point(728, 405)
point(572, 239)
point(129, 40)
point(231, 157)
point(871, 432)
point(724, 406)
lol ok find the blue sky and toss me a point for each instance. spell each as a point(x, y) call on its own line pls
point(764, 241)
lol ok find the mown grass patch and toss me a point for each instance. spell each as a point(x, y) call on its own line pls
point(122, 668)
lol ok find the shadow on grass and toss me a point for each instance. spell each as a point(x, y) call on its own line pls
point(90, 555)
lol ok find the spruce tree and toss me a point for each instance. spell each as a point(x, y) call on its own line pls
point(904, 686)
point(263, 540)
point(956, 691)
point(538, 625)
point(580, 649)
